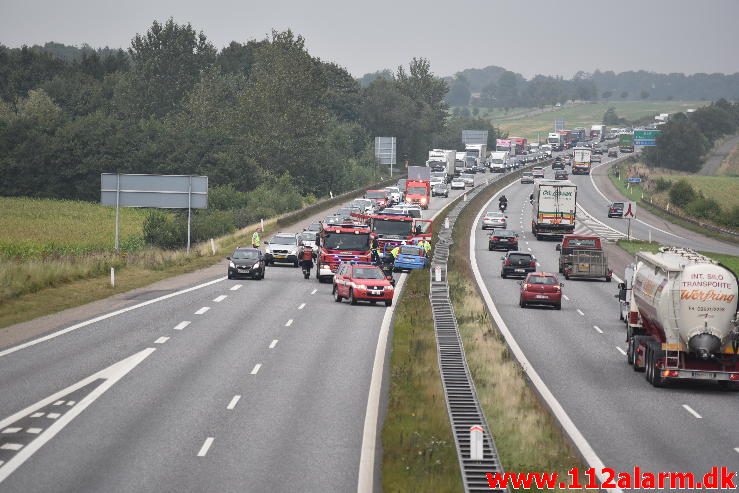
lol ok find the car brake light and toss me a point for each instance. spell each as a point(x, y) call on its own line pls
point(734, 377)
point(532, 263)
point(633, 318)
point(495, 238)
point(507, 261)
point(670, 373)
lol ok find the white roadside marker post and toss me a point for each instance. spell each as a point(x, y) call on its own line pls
point(437, 274)
point(213, 246)
point(476, 442)
point(446, 223)
point(112, 277)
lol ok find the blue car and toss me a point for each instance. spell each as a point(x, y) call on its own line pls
point(410, 257)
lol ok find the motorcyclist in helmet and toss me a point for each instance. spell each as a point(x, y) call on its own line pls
point(502, 203)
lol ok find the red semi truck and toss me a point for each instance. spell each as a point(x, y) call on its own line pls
point(418, 186)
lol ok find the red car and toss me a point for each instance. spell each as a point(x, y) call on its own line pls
point(362, 282)
point(541, 288)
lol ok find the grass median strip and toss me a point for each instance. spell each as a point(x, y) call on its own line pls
point(418, 447)
point(731, 262)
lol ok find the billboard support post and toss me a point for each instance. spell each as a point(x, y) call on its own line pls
point(189, 211)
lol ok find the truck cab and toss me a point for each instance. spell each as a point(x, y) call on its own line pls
point(338, 243)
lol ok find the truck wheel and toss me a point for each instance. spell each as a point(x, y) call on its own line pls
point(630, 351)
point(521, 303)
point(352, 300)
point(637, 343)
point(657, 379)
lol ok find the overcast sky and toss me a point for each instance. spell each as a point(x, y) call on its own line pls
point(527, 36)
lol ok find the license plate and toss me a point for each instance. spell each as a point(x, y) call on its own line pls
point(541, 296)
point(702, 375)
point(280, 256)
point(375, 293)
point(520, 270)
point(584, 266)
point(243, 270)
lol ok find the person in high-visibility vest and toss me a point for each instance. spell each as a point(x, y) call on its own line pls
point(255, 240)
point(426, 246)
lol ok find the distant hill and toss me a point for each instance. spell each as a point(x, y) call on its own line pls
point(478, 78)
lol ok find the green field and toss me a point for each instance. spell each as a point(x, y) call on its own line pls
point(582, 115)
point(724, 189)
point(33, 228)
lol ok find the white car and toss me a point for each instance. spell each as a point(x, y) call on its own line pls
point(366, 205)
point(393, 193)
point(468, 179)
point(458, 184)
point(411, 210)
point(494, 220)
point(435, 180)
point(538, 172)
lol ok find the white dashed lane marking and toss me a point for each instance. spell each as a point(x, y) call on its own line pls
point(273, 344)
point(202, 310)
point(302, 305)
point(256, 368)
point(233, 402)
point(161, 340)
point(220, 298)
point(598, 329)
point(579, 312)
point(565, 297)
point(692, 411)
point(289, 323)
point(314, 291)
point(11, 446)
point(34, 431)
point(53, 415)
point(206, 446)
point(181, 325)
point(11, 430)
point(621, 351)
point(236, 287)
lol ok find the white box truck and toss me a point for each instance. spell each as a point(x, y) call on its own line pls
point(498, 161)
point(554, 204)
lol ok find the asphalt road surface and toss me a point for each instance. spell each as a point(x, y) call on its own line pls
point(580, 354)
point(239, 385)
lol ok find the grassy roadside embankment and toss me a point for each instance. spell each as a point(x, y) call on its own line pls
point(528, 438)
point(726, 190)
point(731, 262)
point(64, 267)
point(419, 453)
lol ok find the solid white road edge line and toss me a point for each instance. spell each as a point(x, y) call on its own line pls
point(366, 476)
point(206, 446)
point(692, 411)
point(104, 317)
point(557, 410)
point(110, 374)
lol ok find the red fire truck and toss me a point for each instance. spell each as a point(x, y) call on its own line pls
point(391, 230)
point(338, 243)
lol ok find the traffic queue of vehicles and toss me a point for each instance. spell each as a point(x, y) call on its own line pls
point(679, 306)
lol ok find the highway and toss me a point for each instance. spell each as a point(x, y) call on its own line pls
point(233, 386)
point(580, 354)
point(596, 192)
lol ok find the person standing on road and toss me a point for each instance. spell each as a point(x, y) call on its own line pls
point(255, 240)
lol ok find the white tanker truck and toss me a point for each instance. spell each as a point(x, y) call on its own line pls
point(682, 318)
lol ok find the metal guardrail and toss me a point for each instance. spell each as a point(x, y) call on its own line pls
point(462, 403)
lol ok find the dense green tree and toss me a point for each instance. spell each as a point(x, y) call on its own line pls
point(167, 61)
point(459, 92)
point(680, 146)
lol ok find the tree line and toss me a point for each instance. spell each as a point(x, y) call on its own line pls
point(496, 87)
point(247, 115)
point(686, 138)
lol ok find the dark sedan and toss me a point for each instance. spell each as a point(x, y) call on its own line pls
point(503, 239)
point(246, 262)
point(517, 264)
point(616, 209)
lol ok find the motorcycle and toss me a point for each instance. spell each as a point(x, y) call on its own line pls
point(502, 206)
